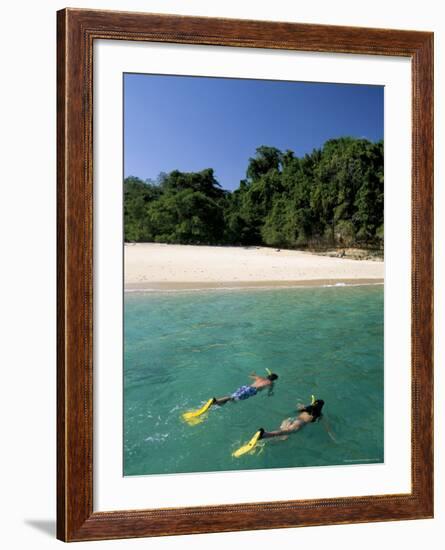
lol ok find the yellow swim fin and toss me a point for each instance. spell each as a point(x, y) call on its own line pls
point(194, 414)
point(248, 446)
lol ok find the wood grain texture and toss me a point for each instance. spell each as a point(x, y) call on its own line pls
point(76, 32)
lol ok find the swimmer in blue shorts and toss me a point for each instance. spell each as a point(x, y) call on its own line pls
point(244, 392)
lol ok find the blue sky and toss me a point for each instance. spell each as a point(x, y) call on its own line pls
point(192, 123)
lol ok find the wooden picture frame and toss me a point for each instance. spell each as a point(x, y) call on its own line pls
point(77, 31)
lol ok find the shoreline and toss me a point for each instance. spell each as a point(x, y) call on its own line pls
point(153, 266)
point(164, 286)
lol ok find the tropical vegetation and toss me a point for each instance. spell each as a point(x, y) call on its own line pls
point(332, 197)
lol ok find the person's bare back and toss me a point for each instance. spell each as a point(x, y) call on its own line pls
point(260, 382)
point(308, 414)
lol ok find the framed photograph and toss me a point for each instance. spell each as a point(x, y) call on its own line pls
point(245, 264)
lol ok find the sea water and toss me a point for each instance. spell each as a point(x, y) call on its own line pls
point(182, 348)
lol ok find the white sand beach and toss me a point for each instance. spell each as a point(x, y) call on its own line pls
point(166, 266)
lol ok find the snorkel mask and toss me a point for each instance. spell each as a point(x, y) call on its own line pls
point(271, 375)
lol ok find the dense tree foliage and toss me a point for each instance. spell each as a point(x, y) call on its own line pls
point(331, 197)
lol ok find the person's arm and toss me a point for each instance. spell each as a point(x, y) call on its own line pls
point(270, 391)
point(327, 427)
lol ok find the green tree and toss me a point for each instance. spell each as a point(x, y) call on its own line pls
point(332, 196)
point(265, 160)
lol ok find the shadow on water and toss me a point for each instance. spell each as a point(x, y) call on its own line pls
point(46, 526)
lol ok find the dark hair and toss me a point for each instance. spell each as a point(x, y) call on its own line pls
point(315, 409)
point(272, 376)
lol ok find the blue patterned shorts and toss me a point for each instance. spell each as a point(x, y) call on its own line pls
point(244, 392)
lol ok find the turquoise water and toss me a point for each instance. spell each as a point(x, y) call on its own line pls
point(182, 348)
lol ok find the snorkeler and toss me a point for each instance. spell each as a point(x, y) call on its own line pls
point(307, 414)
point(244, 392)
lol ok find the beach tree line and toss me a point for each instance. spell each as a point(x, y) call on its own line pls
point(329, 198)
